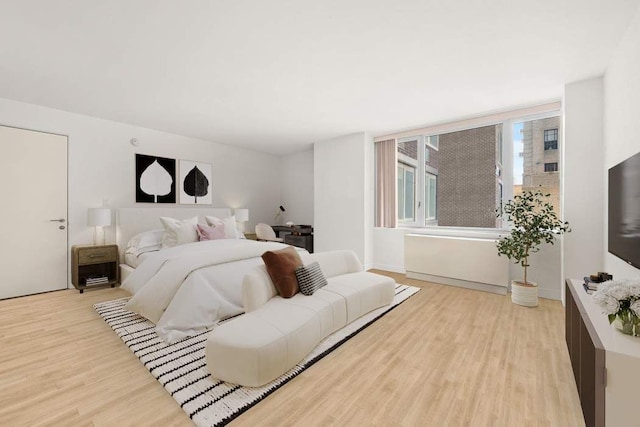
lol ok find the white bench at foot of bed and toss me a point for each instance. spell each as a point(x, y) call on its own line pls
point(277, 333)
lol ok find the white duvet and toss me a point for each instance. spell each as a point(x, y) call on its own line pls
point(188, 288)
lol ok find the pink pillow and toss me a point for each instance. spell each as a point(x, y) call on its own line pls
point(210, 233)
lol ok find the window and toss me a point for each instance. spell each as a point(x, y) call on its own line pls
point(529, 168)
point(431, 190)
point(500, 148)
point(462, 184)
point(452, 185)
point(458, 178)
point(406, 192)
point(551, 139)
point(432, 141)
point(409, 153)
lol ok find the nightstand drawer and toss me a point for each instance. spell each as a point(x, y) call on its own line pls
point(90, 255)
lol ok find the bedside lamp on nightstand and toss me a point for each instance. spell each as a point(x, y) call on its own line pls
point(99, 218)
point(242, 216)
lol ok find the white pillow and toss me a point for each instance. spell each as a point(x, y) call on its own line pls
point(213, 221)
point(230, 225)
point(177, 232)
point(146, 239)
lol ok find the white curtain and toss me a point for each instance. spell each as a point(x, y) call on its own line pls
point(386, 182)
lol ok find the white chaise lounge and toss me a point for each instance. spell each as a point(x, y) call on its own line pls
point(277, 333)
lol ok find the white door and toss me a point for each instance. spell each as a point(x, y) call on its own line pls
point(33, 212)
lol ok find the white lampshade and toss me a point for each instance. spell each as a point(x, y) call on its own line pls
point(242, 215)
point(99, 217)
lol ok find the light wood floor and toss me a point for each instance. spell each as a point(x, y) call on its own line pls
point(447, 356)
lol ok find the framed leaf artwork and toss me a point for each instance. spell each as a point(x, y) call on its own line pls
point(195, 183)
point(155, 179)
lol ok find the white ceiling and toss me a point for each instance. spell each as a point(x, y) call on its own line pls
point(279, 75)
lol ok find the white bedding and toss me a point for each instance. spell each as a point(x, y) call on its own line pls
point(187, 288)
point(135, 258)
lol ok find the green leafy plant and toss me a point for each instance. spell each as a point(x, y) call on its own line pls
point(534, 223)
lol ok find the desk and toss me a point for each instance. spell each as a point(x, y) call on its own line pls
point(300, 230)
point(296, 235)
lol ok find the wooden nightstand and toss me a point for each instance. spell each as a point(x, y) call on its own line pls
point(94, 266)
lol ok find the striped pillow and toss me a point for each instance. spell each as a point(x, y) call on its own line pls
point(310, 278)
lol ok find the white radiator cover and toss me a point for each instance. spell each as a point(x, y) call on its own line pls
point(467, 262)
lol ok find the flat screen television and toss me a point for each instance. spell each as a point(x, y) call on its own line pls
point(624, 210)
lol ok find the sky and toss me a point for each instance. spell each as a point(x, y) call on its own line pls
point(518, 168)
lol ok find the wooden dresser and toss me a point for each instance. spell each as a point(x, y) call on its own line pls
point(605, 362)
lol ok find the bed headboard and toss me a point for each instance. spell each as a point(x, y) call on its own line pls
point(131, 221)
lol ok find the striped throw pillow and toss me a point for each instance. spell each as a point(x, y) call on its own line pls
point(310, 278)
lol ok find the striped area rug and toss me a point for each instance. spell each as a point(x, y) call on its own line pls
point(181, 367)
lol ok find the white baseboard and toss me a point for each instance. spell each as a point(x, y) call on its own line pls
point(501, 290)
point(389, 267)
point(554, 294)
point(549, 293)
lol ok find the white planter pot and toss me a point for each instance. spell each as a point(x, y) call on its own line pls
point(524, 295)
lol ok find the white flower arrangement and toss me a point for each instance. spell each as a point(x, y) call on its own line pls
point(620, 299)
point(635, 307)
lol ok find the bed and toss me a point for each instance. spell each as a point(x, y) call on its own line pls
point(133, 221)
point(187, 288)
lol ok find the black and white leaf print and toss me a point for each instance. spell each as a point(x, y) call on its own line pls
point(195, 184)
point(156, 181)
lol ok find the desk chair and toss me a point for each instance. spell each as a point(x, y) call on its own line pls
point(264, 232)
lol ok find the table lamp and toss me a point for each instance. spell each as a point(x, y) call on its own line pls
point(99, 218)
point(242, 216)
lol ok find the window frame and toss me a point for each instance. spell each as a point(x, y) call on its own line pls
point(506, 163)
point(427, 200)
point(418, 180)
point(554, 169)
point(428, 140)
point(405, 166)
point(550, 144)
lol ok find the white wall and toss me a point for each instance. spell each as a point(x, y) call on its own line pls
point(369, 199)
point(297, 187)
point(101, 164)
point(622, 119)
point(388, 249)
point(388, 254)
point(583, 178)
point(545, 270)
point(343, 194)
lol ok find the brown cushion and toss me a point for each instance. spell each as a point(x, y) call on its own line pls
point(281, 266)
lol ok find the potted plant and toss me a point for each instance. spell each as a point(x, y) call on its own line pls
point(534, 223)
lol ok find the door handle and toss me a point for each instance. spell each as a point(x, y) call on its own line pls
point(57, 220)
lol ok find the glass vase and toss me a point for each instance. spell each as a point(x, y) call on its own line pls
point(628, 323)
